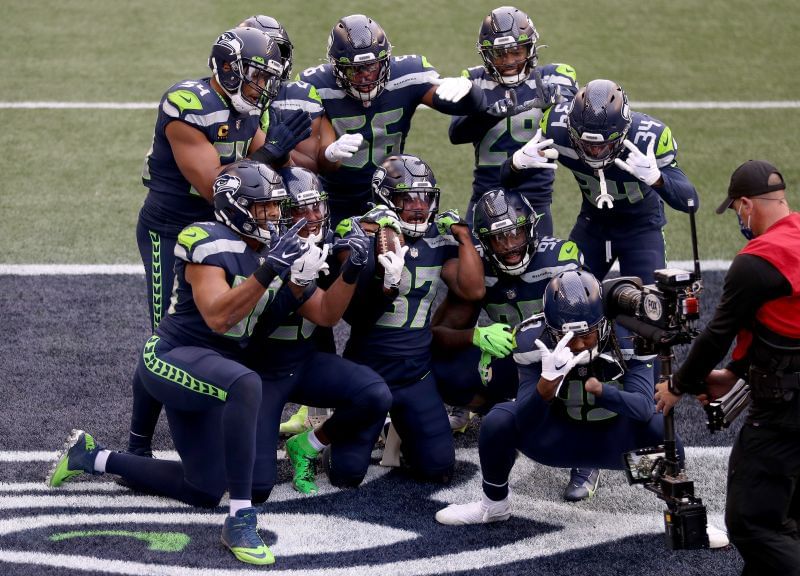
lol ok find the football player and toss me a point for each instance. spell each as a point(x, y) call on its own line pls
point(371, 95)
point(625, 163)
point(473, 364)
point(285, 353)
point(202, 126)
point(390, 316)
point(194, 362)
point(293, 96)
point(516, 92)
point(582, 400)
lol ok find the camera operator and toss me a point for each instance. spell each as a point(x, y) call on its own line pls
point(582, 402)
point(760, 307)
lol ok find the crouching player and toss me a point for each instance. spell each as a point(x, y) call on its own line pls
point(583, 401)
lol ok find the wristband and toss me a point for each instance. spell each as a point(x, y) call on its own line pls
point(264, 274)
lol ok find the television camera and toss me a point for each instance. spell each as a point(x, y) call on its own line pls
point(662, 315)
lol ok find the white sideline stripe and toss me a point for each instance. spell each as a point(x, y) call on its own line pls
point(673, 105)
point(49, 456)
point(85, 269)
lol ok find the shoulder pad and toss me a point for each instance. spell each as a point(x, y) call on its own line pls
point(200, 240)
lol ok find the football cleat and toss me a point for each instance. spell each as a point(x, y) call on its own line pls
point(481, 512)
point(582, 484)
point(240, 536)
point(297, 423)
point(303, 458)
point(459, 418)
point(76, 458)
point(716, 538)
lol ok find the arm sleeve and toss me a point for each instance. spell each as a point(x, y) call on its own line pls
point(472, 128)
point(750, 282)
point(636, 400)
point(510, 178)
point(474, 101)
point(677, 190)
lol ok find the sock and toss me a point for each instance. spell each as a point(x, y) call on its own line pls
point(237, 505)
point(100, 461)
point(314, 441)
point(495, 492)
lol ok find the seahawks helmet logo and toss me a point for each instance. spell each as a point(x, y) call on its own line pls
point(377, 179)
point(227, 184)
point(231, 42)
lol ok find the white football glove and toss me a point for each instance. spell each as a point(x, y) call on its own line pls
point(535, 154)
point(556, 364)
point(310, 265)
point(344, 147)
point(452, 89)
point(643, 167)
point(393, 263)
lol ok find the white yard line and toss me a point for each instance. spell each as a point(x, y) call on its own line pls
point(673, 105)
point(85, 269)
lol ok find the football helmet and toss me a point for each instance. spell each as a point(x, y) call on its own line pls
point(249, 198)
point(246, 63)
point(598, 122)
point(359, 52)
point(573, 301)
point(507, 45)
point(278, 33)
point(306, 199)
point(407, 185)
point(505, 225)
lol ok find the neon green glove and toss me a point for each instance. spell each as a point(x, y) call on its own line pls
point(495, 339)
point(447, 220)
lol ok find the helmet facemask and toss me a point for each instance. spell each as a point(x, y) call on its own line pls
point(250, 82)
point(248, 199)
point(507, 45)
point(359, 52)
point(598, 122)
point(363, 80)
point(416, 208)
point(313, 206)
point(510, 246)
point(505, 225)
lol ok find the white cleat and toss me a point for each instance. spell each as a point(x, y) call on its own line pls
point(716, 538)
point(481, 512)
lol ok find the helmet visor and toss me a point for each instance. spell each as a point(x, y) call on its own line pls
point(260, 83)
point(416, 207)
point(509, 246)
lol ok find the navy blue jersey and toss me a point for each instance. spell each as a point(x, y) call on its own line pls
point(495, 144)
point(172, 203)
point(384, 123)
point(627, 379)
point(402, 329)
point(211, 244)
point(511, 299)
point(637, 206)
point(293, 96)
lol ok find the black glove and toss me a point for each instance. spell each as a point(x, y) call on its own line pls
point(290, 129)
point(508, 106)
point(282, 255)
point(547, 93)
point(359, 244)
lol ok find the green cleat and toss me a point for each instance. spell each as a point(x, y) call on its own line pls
point(303, 458)
point(297, 423)
point(77, 457)
point(240, 536)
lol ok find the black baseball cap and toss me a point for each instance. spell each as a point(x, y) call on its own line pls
point(751, 179)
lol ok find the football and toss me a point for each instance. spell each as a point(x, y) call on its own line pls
point(385, 242)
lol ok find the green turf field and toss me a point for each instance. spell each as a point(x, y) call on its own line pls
point(71, 188)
